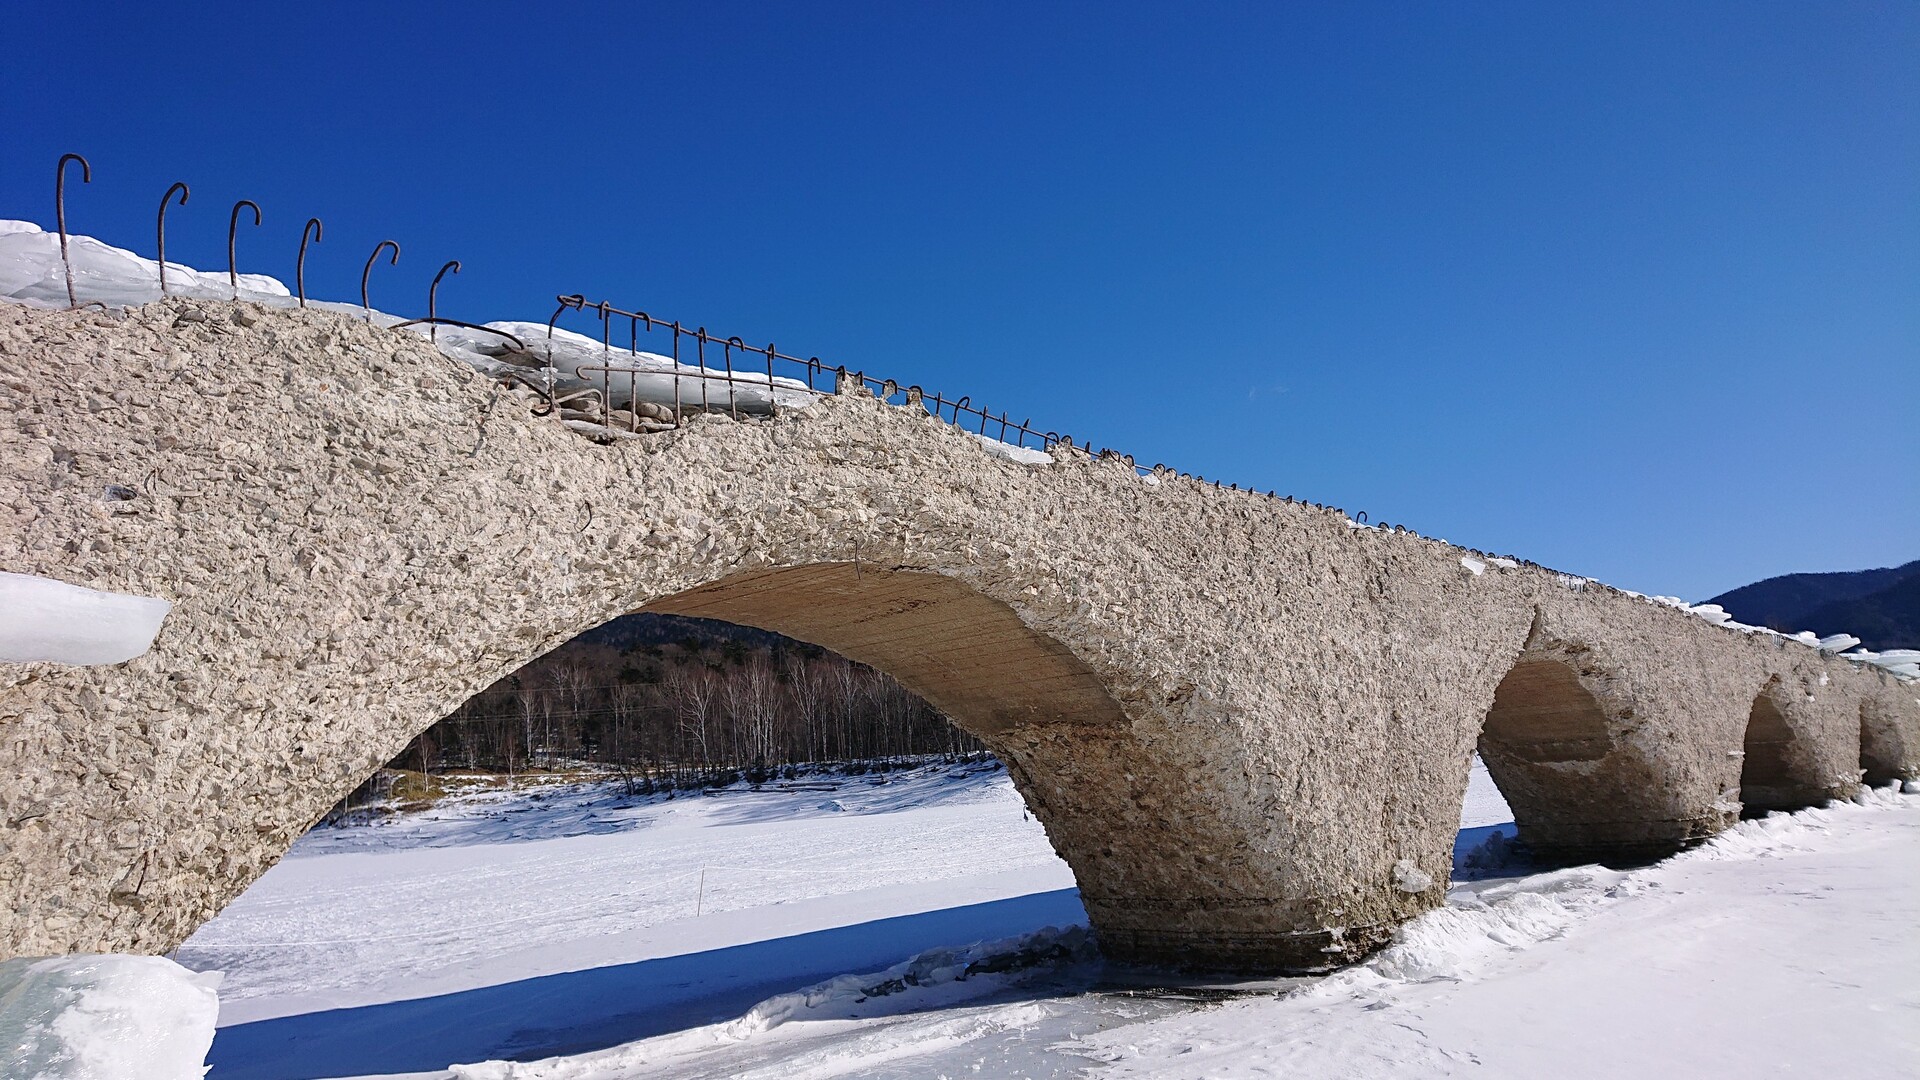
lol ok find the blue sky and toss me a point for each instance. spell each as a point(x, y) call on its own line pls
point(1632, 290)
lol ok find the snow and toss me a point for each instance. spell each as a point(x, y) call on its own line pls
point(31, 273)
point(1024, 455)
point(1783, 946)
point(1902, 663)
point(51, 620)
point(497, 913)
point(926, 981)
point(646, 376)
point(105, 1018)
point(531, 924)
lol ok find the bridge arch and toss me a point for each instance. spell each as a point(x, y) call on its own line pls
point(1137, 838)
point(1777, 768)
point(1579, 791)
point(1884, 754)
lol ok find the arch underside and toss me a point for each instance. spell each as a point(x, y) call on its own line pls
point(1578, 793)
point(969, 656)
point(1775, 770)
point(1882, 751)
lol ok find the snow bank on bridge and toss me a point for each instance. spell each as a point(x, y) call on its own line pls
point(66, 624)
point(31, 273)
point(625, 377)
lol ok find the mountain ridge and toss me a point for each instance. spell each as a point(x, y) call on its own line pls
point(1880, 606)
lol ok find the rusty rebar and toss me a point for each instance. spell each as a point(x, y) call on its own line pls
point(773, 402)
point(733, 399)
point(365, 304)
point(676, 374)
point(162, 229)
point(300, 264)
point(433, 295)
point(517, 343)
point(60, 212)
point(233, 228)
point(700, 358)
point(606, 374)
point(934, 404)
point(576, 302)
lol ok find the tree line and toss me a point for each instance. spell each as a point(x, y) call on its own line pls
point(686, 702)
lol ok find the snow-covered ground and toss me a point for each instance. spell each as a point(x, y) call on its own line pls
point(1787, 946)
point(575, 928)
point(576, 917)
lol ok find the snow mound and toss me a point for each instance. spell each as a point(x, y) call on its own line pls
point(31, 273)
point(1461, 939)
point(106, 1018)
point(67, 624)
point(1022, 455)
point(576, 359)
point(1463, 935)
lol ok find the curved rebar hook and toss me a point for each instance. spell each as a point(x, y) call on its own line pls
point(773, 400)
point(576, 302)
point(300, 265)
point(433, 295)
point(368, 272)
point(60, 211)
point(164, 200)
point(233, 227)
point(733, 399)
point(1360, 517)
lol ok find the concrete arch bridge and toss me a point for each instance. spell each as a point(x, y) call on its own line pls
point(1245, 723)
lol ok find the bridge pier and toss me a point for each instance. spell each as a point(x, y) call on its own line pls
point(1888, 751)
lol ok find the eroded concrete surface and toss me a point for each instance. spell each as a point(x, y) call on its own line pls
point(1245, 724)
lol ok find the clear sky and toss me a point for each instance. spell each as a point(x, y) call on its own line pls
point(1632, 290)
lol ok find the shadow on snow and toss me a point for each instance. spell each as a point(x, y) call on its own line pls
point(580, 1011)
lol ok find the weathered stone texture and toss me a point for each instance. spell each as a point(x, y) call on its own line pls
point(1234, 715)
